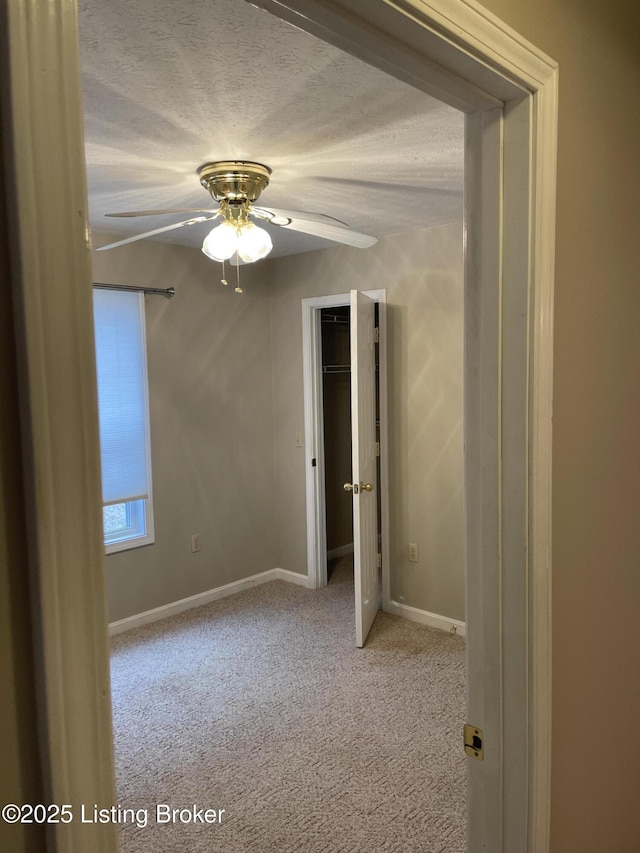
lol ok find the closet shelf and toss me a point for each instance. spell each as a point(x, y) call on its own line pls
point(339, 368)
point(340, 319)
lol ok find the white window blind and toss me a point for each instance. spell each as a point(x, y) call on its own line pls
point(122, 395)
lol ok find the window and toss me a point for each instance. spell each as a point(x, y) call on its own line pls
point(123, 405)
point(124, 522)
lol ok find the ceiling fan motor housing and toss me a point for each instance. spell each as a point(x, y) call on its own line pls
point(234, 181)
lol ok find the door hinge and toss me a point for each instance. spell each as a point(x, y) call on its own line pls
point(376, 335)
point(377, 448)
point(379, 561)
point(474, 742)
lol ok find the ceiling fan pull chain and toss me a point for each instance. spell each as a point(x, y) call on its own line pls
point(238, 288)
point(223, 280)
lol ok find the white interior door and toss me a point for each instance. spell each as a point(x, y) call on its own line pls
point(363, 448)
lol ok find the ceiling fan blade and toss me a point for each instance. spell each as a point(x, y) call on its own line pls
point(392, 186)
point(157, 212)
point(332, 232)
point(270, 213)
point(157, 231)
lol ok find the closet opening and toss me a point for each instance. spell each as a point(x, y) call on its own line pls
point(347, 525)
point(335, 332)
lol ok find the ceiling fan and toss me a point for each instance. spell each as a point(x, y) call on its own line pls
point(236, 185)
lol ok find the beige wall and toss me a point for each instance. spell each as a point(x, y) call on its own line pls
point(596, 463)
point(209, 359)
point(422, 272)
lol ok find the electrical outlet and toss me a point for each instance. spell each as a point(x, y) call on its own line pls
point(195, 543)
point(413, 552)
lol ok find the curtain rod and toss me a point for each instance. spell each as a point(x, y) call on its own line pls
point(169, 293)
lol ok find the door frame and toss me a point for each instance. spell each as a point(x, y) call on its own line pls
point(459, 52)
point(314, 435)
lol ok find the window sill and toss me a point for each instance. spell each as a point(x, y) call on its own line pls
point(128, 544)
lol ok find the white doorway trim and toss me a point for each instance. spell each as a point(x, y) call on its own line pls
point(314, 436)
point(467, 57)
point(439, 46)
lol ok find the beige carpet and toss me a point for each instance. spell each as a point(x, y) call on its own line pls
point(261, 705)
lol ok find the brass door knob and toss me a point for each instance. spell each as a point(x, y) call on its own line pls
point(355, 488)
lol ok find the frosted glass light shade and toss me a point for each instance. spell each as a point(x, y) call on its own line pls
point(221, 242)
point(253, 243)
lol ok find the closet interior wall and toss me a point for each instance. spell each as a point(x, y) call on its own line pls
point(336, 395)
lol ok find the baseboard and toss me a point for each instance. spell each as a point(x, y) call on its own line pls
point(292, 577)
point(201, 598)
point(342, 551)
point(443, 623)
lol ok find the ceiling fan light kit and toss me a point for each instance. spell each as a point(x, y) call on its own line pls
point(236, 185)
point(237, 234)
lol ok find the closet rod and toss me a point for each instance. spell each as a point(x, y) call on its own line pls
point(169, 293)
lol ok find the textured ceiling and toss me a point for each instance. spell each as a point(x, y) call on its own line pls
point(171, 84)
